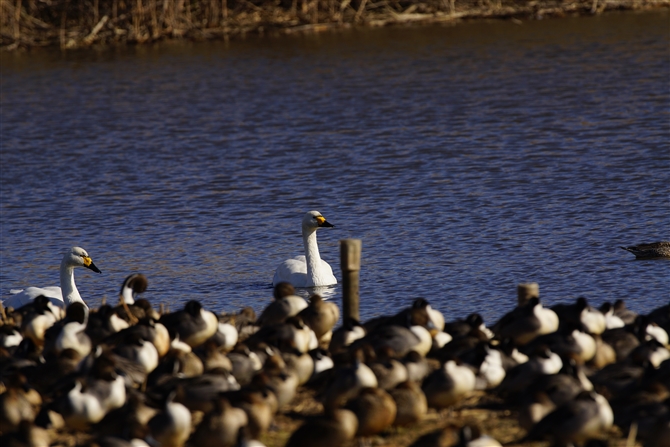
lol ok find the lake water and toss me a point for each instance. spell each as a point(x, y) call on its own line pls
point(467, 158)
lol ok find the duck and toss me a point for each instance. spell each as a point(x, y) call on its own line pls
point(652, 250)
point(461, 328)
point(281, 379)
point(220, 426)
point(447, 436)
point(308, 270)
point(321, 316)
point(61, 296)
point(576, 421)
point(132, 286)
point(333, 429)
point(526, 322)
point(27, 434)
point(72, 335)
point(612, 320)
point(39, 315)
point(592, 319)
point(10, 336)
point(448, 384)
point(171, 427)
point(286, 304)
point(375, 409)
point(350, 331)
point(256, 406)
point(541, 362)
point(411, 403)
point(193, 323)
point(348, 381)
point(389, 371)
point(17, 403)
point(620, 310)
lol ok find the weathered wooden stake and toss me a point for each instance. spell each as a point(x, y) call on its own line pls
point(527, 291)
point(350, 262)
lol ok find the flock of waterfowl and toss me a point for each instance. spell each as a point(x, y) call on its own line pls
point(127, 375)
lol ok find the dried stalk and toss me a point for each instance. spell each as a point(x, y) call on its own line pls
point(361, 11)
point(96, 29)
point(17, 21)
point(63, 21)
point(154, 20)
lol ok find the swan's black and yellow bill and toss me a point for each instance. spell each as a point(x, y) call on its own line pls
point(88, 263)
point(323, 222)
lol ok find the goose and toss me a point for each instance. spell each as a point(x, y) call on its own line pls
point(308, 270)
point(650, 251)
point(61, 296)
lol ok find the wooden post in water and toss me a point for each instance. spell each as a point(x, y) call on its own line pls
point(350, 262)
point(527, 291)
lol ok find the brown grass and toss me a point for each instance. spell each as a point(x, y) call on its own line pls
point(83, 23)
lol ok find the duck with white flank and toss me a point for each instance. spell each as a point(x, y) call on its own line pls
point(308, 270)
point(233, 382)
point(61, 296)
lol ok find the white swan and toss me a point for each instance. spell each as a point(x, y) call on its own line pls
point(61, 296)
point(309, 270)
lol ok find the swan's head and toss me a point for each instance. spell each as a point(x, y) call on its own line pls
point(314, 220)
point(78, 257)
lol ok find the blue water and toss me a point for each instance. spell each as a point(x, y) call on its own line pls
point(467, 158)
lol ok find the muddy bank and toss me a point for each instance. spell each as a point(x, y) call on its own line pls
point(70, 24)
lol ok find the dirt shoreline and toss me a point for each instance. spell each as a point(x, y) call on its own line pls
point(72, 24)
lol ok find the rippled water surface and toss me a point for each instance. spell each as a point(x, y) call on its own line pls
point(467, 158)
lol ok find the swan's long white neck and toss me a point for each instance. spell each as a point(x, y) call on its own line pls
point(312, 257)
point(68, 288)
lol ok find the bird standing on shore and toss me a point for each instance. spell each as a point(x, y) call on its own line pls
point(308, 270)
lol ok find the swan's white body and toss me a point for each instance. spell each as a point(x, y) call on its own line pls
point(308, 270)
point(61, 296)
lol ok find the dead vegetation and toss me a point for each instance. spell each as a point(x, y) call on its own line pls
point(73, 24)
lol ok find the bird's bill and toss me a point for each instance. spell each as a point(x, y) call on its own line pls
point(323, 222)
point(88, 263)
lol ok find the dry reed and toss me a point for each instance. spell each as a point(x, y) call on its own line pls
point(82, 23)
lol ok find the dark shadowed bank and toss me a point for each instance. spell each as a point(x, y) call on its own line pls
point(84, 23)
